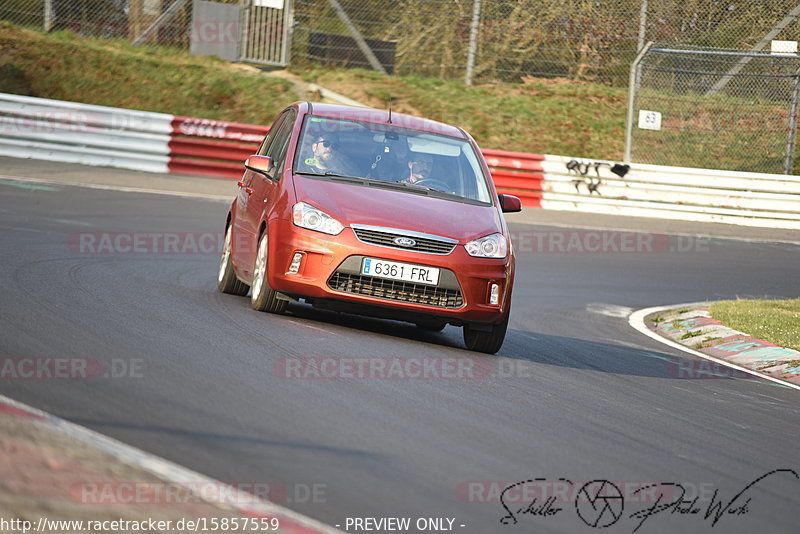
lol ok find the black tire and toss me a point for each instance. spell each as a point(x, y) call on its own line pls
point(488, 342)
point(226, 278)
point(264, 298)
point(433, 325)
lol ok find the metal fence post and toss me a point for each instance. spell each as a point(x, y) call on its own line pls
point(473, 40)
point(360, 42)
point(165, 16)
point(790, 140)
point(642, 25)
point(633, 86)
point(779, 27)
point(288, 27)
point(48, 15)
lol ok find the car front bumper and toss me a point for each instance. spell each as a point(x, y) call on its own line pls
point(329, 270)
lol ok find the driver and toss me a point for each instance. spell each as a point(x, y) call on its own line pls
point(327, 158)
point(419, 168)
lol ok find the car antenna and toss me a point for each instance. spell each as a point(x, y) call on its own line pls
point(390, 110)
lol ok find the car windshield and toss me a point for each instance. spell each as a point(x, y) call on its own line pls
point(387, 156)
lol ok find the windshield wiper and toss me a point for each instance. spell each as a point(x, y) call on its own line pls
point(329, 174)
point(368, 181)
point(415, 186)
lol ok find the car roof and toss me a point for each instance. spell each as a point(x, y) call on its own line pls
point(381, 116)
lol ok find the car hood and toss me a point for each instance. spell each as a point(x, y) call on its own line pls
point(360, 204)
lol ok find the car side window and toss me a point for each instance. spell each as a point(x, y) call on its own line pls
point(279, 145)
point(273, 131)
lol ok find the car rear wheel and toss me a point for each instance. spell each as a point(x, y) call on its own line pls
point(226, 278)
point(264, 298)
point(486, 341)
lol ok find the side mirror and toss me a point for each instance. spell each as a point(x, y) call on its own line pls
point(259, 164)
point(510, 203)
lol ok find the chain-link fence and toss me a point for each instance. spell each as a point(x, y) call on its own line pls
point(484, 40)
point(508, 40)
point(719, 109)
point(162, 22)
point(742, 124)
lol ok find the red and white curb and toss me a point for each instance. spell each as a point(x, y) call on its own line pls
point(719, 344)
point(290, 522)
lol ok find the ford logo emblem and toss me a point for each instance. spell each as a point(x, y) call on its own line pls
point(404, 242)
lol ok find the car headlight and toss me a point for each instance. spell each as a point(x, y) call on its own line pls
point(307, 216)
point(491, 246)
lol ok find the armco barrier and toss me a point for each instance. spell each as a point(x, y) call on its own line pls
point(702, 195)
point(79, 133)
point(212, 148)
point(157, 142)
point(517, 173)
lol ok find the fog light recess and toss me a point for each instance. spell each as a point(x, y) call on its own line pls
point(294, 267)
point(494, 294)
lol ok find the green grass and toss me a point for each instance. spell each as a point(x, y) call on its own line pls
point(540, 116)
point(687, 335)
point(550, 116)
point(112, 73)
point(776, 321)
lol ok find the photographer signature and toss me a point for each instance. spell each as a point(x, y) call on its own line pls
point(600, 503)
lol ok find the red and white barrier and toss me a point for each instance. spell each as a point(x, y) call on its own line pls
point(157, 142)
point(212, 148)
point(54, 130)
point(517, 173)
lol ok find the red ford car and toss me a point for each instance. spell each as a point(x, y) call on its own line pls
point(376, 213)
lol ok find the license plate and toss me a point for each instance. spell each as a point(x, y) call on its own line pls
point(407, 272)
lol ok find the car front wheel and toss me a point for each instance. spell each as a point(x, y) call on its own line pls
point(226, 278)
point(264, 298)
point(486, 341)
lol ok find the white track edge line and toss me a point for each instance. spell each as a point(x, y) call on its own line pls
point(122, 188)
point(165, 469)
point(636, 320)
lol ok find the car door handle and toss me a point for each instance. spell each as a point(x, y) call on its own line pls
point(248, 190)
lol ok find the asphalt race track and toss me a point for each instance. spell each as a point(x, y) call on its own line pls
point(575, 393)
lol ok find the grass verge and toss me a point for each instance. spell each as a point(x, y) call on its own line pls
point(776, 321)
point(546, 116)
point(540, 116)
point(112, 73)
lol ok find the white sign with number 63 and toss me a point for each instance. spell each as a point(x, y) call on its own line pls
point(649, 120)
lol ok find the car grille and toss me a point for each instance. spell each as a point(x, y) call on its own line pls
point(386, 239)
point(396, 290)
